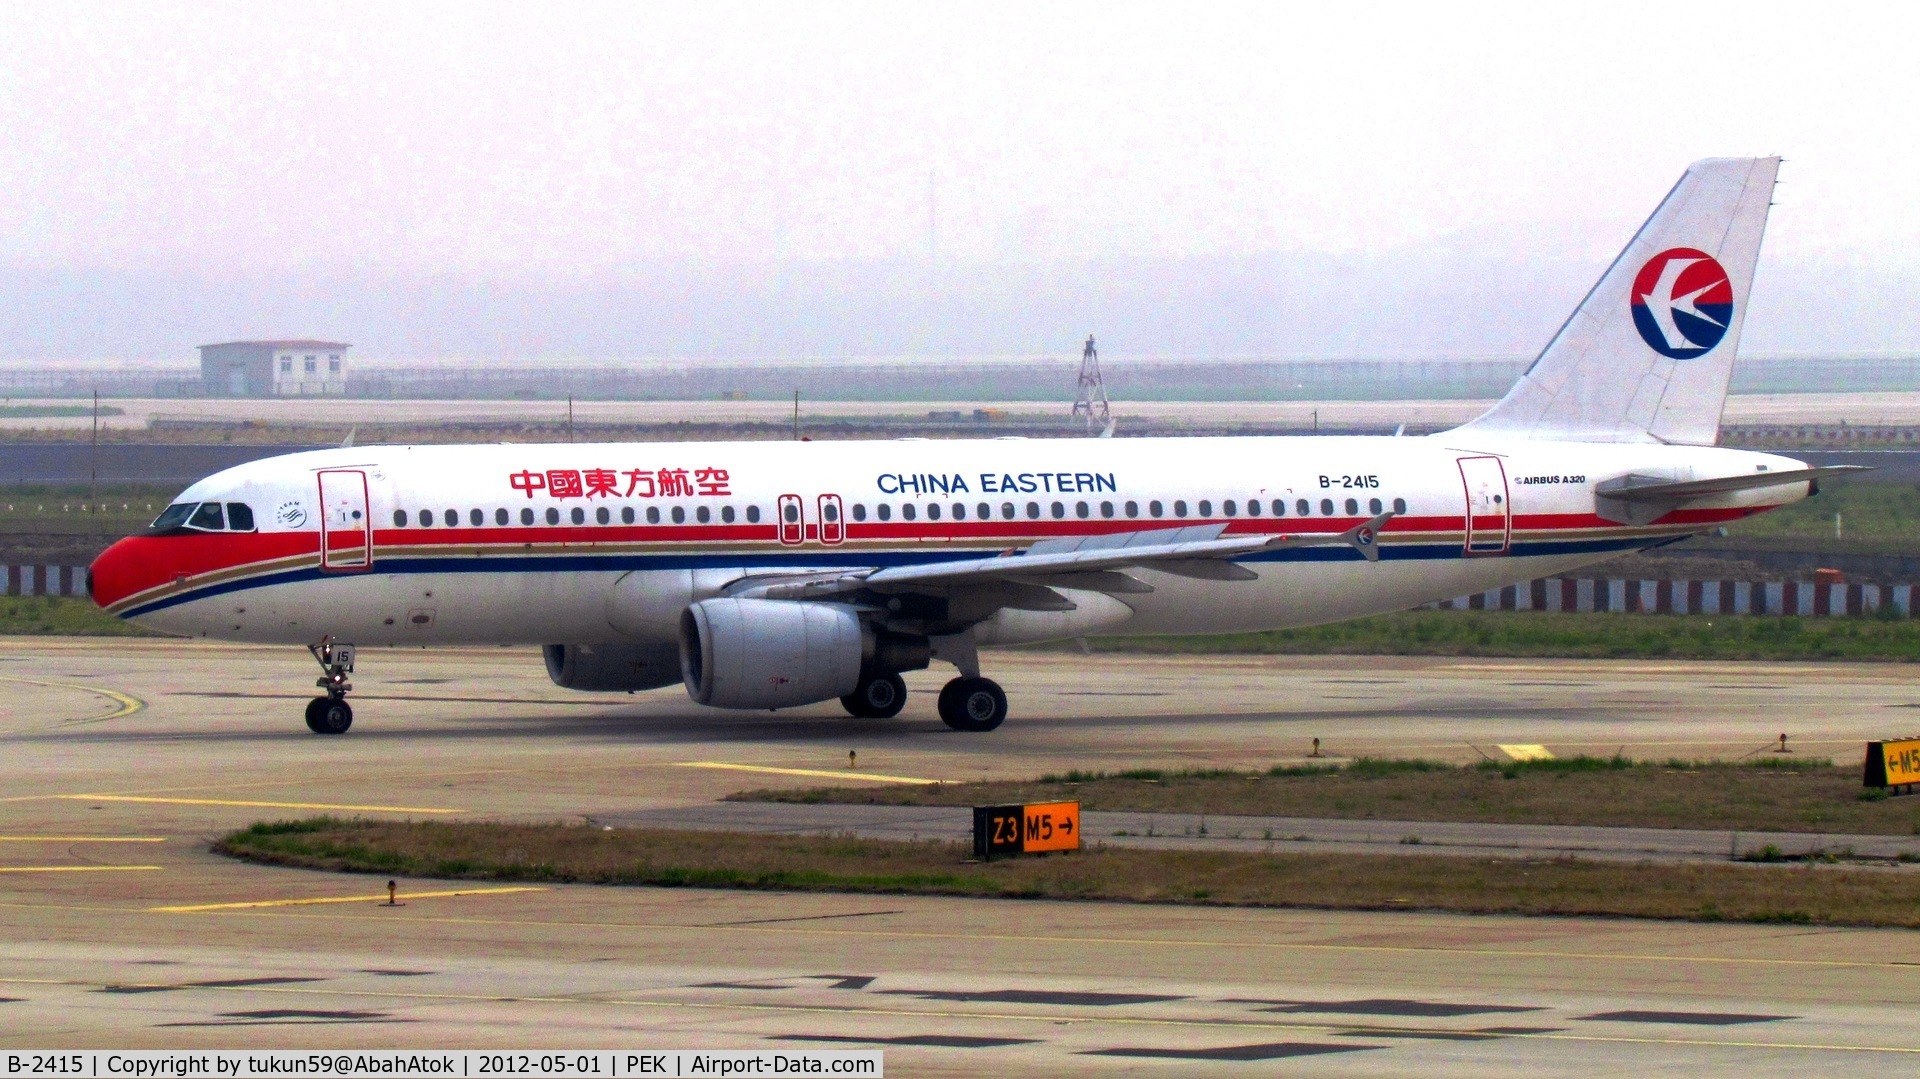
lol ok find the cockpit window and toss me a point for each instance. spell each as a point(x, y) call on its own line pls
point(173, 516)
point(209, 517)
point(239, 517)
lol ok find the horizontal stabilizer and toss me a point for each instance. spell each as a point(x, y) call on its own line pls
point(1637, 500)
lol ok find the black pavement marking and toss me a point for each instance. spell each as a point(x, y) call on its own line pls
point(396, 973)
point(1264, 1051)
point(11, 1000)
point(943, 1041)
point(300, 1013)
point(231, 983)
point(1423, 1008)
point(1702, 1019)
point(846, 981)
point(1428, 1035)
point(1517, 1030)
point(738, 985)
point(802, 918)
point(1034, 996)
point(1112, 693)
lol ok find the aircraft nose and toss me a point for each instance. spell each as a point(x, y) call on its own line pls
point(115, 574)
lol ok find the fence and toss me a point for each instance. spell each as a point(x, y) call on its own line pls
point(1802, 598)
point(46, 580)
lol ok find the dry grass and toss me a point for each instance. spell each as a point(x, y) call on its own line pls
point(1776, 794)
point(1814, 895)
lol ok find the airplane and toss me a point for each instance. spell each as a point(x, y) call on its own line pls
point(768, 575)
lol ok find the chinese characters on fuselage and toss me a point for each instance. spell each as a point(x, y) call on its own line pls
point(623, 482)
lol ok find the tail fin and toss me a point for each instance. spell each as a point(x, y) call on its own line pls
point(1647, 355)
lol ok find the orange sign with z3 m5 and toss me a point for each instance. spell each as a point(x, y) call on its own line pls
point(1026, 829)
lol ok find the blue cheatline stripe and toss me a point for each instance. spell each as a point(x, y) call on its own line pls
point(801, 560)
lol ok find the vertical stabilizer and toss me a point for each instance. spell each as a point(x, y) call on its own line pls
point(1647, 355)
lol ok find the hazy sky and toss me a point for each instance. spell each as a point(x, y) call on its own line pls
point(516, 180)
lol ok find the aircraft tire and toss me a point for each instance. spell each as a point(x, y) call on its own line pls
point(879, 697)
point(973, 704)
point(328, 716)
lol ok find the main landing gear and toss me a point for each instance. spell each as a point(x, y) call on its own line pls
point(878, 696)
point(331, 714)
point(973, 704)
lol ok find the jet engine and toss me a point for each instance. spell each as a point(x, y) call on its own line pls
point(613, 667)
point(761, 653)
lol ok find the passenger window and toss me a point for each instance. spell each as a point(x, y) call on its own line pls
point(933, 511)
point(1033, 511)
point(1080, 510)
point(907, 512)
point(478, 518)
point(602, 516)
point(553, 515)
point(884, 511)
point(500, 516)
point(726, 514)
point(1353, 507)
point(703, 514)
point(1253, 507)
point(1326, 507)
point(679, 514)
point(1106, 509)
point(984, 511)
point(1228, 507)
point(959, 511)
point(1399, 505)
point(1279, 507)
point(791, 513)
point(1153, 508)
point(1373, 506)
point(859, 511)
point(1059, 511)
point(1133, 509)
point(828, 510)
point(653, 515)
point(1301, 507)
point(208, 516)
point(1206, 508)
point(626, 515)
point(1006, 511)
point(239, 517)
point(753, 515)
point(1180, 507)
point(526, 517)
point(400, 518)
point(578, 516)
point(426, 518)
point(453, 518)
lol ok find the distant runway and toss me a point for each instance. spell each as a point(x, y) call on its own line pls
point(120, 929)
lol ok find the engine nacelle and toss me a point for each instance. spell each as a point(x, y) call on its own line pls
point(613, 667)
point(762, 653)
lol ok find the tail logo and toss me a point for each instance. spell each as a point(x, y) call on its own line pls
point(1682, 303)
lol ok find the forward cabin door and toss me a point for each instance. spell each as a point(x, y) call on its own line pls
point(346, 524)
point(793, 528)
point(832, 528)
point(1489, 516)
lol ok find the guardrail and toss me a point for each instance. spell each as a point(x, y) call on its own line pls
point(1806, 599)
point(46, 580)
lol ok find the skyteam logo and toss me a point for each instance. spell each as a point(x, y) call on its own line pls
point(1682, 303)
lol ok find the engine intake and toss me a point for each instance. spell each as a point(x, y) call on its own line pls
point(612, 667)
point(760, 653)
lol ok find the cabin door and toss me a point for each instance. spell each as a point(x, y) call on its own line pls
point(1489, 516)
point(346, 525)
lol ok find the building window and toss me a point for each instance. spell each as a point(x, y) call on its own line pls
point(333, 364)
point(311, 367)
point(286, 365)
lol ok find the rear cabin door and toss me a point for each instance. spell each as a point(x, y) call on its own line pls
point(833, 528)
point(1489, 516)
point(346, 525)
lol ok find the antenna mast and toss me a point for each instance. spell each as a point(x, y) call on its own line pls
point(1091, 399)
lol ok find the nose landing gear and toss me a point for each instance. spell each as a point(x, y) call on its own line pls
point(331, 714)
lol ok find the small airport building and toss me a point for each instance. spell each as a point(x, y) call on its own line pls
point(274, 369)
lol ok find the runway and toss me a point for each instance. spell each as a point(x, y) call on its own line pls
point(120, 928)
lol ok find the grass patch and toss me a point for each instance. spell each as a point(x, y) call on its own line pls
point(62, 616)
point(1778, 794)
point(1543, 634)
point(1814, 895)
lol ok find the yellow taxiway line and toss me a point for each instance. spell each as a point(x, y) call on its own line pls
point(1526, 752)
point(382, 899)
point(128, 705)
point(870, 776)
point(82, 839)
point(230, 802)
point(74, 868)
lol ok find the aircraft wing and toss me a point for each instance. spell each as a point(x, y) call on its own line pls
point(1092, 562)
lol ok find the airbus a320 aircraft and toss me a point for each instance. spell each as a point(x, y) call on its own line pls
point(770, 575)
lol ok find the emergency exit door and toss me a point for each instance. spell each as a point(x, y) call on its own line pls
point(1489, 516)
point(346, 526)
